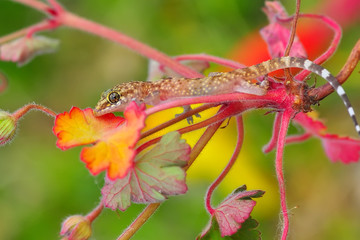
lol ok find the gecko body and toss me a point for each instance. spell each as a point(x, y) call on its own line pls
point(240, 80)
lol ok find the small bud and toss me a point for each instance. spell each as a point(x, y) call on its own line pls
point(76, 227)
point(22, 50)
point(7, 127)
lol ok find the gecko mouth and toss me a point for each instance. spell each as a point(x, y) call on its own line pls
point(104, 108)
point(98, 113)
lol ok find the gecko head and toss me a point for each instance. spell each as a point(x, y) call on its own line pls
point(112, 100)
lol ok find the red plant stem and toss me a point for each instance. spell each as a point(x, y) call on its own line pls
point(209, 58)
point(147, 144)
point(177, 119)
point(150, 209)
point(298, 138)
point(57, 7)
point(286, 117)
point(25, 109)
point(291, 40)
point(20, 33)
point(95, 212)
point(293, 30)
point(77, 22)
point(213, 186)
point(274, 97)
point(63, 17)
point(225, 112)
point(275, 134)
point(331, 49)
point(222, 114)
point(43, 26)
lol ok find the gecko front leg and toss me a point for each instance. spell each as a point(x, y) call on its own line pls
point(189, 119)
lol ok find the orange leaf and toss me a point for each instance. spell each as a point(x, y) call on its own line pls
point(115, 151)
point(80, 127)
point(113, 137)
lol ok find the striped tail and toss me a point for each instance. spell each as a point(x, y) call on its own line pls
point(289, 62)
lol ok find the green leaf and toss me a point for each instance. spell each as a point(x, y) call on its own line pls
point(156, 174)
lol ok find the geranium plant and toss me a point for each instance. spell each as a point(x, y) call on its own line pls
point(149, 165)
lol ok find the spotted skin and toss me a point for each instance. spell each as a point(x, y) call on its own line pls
point(239, 80)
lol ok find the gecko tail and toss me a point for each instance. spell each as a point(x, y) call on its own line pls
point(319, 70)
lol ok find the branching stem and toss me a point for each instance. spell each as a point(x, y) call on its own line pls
point(213, 186)
point(150, 209)
point(25, 109)
point(285, 120)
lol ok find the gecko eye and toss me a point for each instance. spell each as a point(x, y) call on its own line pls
point(113, 97)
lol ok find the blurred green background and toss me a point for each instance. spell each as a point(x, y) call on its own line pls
point(40, 185)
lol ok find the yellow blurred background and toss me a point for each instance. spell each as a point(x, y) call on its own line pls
point(40, 185)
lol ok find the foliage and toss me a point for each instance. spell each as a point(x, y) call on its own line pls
point(148, 166)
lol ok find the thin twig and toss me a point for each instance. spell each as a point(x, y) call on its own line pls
point(20, 33)
point(177, 119)
point(291, 39)
point(293, 29)
point(150, 209)
point(83, 24)
point(332, 47)
point(25, 109)
point(286, 117)
point(139, 221)
point(95, 212)
point(220, 178)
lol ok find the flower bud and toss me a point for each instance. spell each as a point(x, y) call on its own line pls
point(22, 50)
point(76, 227)
point(7, 127)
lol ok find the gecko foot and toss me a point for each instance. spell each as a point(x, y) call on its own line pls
point(189, 119)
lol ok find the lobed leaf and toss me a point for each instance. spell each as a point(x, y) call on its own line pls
point(80, 127)
point(154, 176)
point(233, 211)
point(113, 138)
point(342, 149)
point(277, 33)
point(337, 148)
point(115, 149)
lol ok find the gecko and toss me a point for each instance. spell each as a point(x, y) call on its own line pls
point(117, 98)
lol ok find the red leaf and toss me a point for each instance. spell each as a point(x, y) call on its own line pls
point(277, 33)
point(342, 149)
point(234, 210)
point(311, 125)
